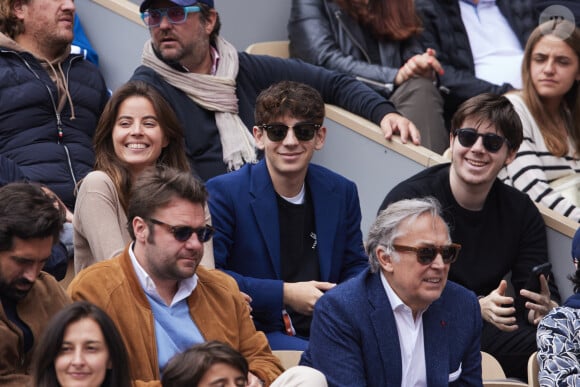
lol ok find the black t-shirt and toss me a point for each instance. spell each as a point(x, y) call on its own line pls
point(298, 251)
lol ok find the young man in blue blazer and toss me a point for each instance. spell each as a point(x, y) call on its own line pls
point(286, 230)
point(401, 322)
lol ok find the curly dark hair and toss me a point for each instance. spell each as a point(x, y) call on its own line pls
point(289, 98)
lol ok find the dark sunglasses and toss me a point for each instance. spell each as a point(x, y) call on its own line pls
point(427, 254)
point(491, 142)
point(303, 131)
point(175, 15)
point(183, 233)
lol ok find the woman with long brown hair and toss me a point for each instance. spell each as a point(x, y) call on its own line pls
point(137, 130)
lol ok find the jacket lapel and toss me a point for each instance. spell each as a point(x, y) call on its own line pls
point(326, 205)
point(265, 210)
point(436, 337)
point(385, 331)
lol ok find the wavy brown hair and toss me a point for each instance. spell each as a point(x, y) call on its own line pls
point(106, 160)
point(10, 25)
point(386, 19)
point(291, 98)
point(570, 105)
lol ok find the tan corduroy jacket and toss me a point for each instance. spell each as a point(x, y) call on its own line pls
point(216, 306)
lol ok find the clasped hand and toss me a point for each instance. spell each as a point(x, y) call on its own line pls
point(301, 296)
point(421, 65)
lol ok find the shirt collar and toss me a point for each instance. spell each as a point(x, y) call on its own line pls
point(215, 58)
point(395, 300)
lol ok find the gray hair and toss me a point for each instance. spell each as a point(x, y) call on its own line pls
point(385, 228)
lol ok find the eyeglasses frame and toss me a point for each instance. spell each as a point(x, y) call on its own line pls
point(438, 249)
point(163, 11)
point(288, 127)
point(457, 132)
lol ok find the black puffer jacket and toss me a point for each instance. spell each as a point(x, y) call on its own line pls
point(30, 122)
point(322, 34)
point(444, 31)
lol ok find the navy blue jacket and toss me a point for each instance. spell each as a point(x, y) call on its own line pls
point(244, 212)
point(354, 341)
point(256, 73)
point(9, 172)
point(29, 120)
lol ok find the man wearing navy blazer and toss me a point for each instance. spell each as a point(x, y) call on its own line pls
point(400, 323)
point(286, 230)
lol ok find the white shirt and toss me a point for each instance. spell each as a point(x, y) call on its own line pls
point(410, 331)
point(497, 52)
point(186, 286)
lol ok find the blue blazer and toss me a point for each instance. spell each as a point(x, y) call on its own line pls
point(354, 340)
point(246, 244)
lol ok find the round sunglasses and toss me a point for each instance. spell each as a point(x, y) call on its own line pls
point(183, 233)
point(427, 254)
point(491, 142)
point(304, 131)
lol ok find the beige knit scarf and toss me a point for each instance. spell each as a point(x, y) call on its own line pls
point(216, 93)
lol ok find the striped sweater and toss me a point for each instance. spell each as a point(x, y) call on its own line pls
point(534, 167)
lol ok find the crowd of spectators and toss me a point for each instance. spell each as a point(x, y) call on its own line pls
point(115, 183)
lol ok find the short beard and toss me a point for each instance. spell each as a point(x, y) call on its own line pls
point(9, 291)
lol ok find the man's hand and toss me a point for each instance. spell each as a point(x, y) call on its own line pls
point(301, 296)
point(254, 381)
point(248, 301)
point(496, 309)
point(395, 123)
point(540, 303)
point(421, 65)
point(58, 203)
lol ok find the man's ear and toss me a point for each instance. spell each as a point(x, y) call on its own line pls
point(140, 229)
point(385, 259)
point(320, 138)
point(259, 137)
point(510, 156)
point(17, 8)
point(210, 21)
